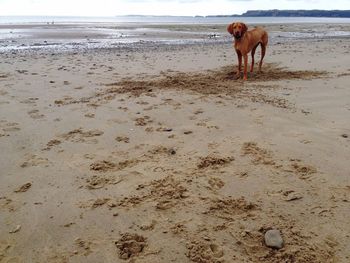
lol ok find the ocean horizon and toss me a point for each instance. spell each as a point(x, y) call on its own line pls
point(6, 20)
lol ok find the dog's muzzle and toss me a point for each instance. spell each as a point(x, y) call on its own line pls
point(237, 34)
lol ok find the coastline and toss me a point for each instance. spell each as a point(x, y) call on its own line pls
point(155, 145)
point(74, 37)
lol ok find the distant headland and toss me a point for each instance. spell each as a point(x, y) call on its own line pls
point(293, 13)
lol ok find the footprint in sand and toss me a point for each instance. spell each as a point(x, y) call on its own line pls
point(3, 92)
point(6, 204)
point(3, 135)
point(9, 126)
point(5, 249)
point(12, 126)
point(203, 251)
point(66, 100)
point(229, 207)
point(213, 162)
point(215, 183)
point(53, 142)
point(83, 247)
point(106, 166)
point(199, 111)
point(257, 154)
point(35, 160)
point(79, 135)
point(3, 76)
point(304, 171)
point(30, 101)
point(143, 121)
point(35, 114)
point(22, 71)
point(130, 245)
point(90, 115)
point(124, 139)
point(100, 181)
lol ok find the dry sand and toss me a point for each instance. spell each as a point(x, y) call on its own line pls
point(158, 155)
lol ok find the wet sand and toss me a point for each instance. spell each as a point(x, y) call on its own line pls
point(156, 154)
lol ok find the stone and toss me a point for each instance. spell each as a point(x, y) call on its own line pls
point(18, 228)
point(23, 188)
point(274, 239)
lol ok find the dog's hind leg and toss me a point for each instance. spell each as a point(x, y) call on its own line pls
point(263, 52)
point(264, 42)
point(253, 53)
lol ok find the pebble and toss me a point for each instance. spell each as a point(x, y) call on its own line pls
point(293, 197)
point(274, 239)
point(18, 228)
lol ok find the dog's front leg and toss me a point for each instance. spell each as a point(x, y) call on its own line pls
point(245, 74)
point(239, 69)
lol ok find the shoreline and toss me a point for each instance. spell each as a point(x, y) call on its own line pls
point(77, 37)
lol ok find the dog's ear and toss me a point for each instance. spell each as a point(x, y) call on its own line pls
point(230, 29)
point(244, 28)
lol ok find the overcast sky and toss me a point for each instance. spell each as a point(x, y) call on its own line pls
point(156, 7)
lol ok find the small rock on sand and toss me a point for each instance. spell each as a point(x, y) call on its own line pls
point(172, 151)
point(18, 228)
point(23, 188)
point(274, 239)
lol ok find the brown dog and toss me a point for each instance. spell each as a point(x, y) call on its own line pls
point(246, 41)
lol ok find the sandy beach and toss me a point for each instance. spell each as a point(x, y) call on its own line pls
point(152, 152)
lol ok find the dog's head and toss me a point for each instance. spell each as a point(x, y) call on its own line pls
point(237, 29)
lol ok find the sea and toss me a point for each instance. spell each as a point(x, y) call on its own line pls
point(165, 19)
point(57, 33)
